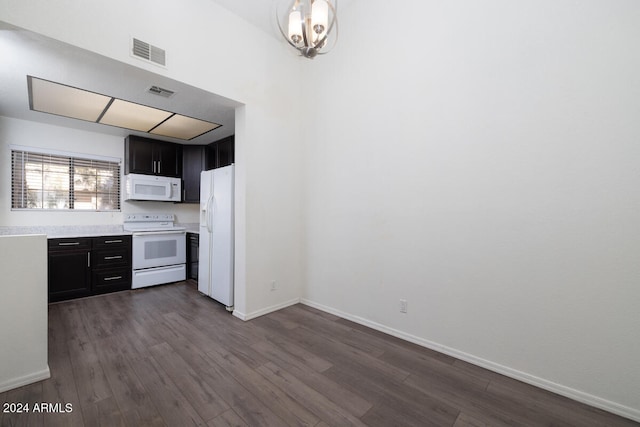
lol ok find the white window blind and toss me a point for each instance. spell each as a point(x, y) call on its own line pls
point(53, 181)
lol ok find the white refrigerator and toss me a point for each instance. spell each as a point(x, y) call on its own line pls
point(215, 269)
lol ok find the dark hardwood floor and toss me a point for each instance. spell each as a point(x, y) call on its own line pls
point(169, 356)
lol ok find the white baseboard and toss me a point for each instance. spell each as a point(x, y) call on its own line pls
point(265, 310)
point(25, 380)
point(589, 399)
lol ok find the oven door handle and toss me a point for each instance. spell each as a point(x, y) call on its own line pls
point(155, 233)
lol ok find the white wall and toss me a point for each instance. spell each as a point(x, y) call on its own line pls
point(480, 160)
point(23, 310)
point(211, 48)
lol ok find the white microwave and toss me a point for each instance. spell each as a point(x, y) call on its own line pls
point(150, 187)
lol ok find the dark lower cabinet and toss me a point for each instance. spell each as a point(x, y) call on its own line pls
point(88, 266)
point(69, 268)
point(193, 247)
point(110, 280)
point(111, 264)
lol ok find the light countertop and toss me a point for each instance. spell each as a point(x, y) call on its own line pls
point(63, 231)
point(70, 231)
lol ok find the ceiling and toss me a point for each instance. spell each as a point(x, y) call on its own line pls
point(39, 56)
point(260, 13)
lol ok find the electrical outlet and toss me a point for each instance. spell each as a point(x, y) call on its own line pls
point(403, 306)
point(273, 285)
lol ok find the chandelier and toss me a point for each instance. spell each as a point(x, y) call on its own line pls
point(312, 26)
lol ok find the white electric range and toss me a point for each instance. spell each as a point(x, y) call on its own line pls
point(158, 249)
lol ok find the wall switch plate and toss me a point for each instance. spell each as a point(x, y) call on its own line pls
point(273, 285)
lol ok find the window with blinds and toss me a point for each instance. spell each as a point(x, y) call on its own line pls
point(48, 181)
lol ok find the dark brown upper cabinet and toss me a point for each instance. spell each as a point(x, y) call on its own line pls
point(198, 158)
point(221, 153)
point(194, 161)
point(152, 157)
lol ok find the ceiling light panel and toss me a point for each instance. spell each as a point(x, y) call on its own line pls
point(62, 100)
point(184, 127)
point(129, 115)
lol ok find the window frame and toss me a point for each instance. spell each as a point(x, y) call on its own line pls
point(74, 160)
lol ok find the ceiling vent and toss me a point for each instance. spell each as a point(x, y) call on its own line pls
point(157, 90)
point(144, 50)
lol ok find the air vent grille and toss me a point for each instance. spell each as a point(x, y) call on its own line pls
point(157, 55)
point(157, 90)
point(148, 52)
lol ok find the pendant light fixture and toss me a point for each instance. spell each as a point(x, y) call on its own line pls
point(312, 26)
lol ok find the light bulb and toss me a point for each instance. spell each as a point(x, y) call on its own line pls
point(319, 16)
point(295, 26)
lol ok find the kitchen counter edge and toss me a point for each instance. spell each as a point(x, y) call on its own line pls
point(64, 232)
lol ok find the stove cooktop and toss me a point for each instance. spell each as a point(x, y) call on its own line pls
point(150, 222)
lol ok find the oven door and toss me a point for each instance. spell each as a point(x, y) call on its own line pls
point(158, 249)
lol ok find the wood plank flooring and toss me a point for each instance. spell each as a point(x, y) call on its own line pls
point(167, 356)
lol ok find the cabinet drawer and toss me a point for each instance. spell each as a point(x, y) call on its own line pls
point(111, 241)
point(71, 244)
point(110, 280)
point(113, 257)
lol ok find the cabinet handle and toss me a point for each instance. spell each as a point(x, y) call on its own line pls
point(68, 244)
point(106, 279)
point(113, 257)
point(88, 259)
point(112, 241)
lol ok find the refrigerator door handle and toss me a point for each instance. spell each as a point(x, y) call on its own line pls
point(209, 212)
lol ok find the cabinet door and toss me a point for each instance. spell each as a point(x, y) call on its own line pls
point(226, 152)
point(221, 153)
point(211, 154)
point(192, 255)
point(193, 162)
point(139, 156)
point(168, 159)
point(152, 157)
point(69, 274)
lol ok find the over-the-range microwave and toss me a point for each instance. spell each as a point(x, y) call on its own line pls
point(150, 187)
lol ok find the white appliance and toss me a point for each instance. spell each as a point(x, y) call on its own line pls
point(159, 249)
point(150, 187)
point(215, 269)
